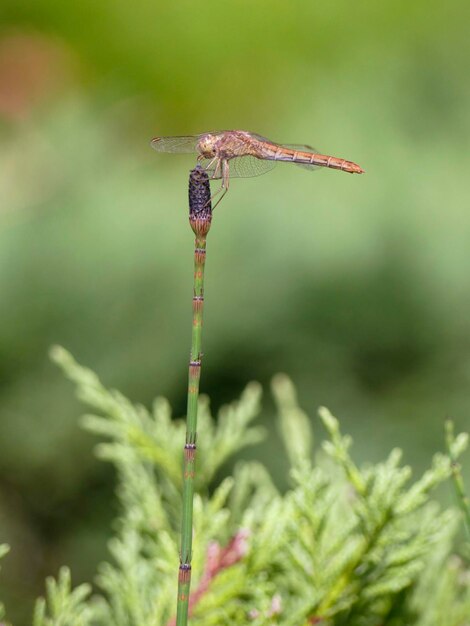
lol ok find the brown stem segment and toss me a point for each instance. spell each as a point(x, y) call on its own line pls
point(200, 217)
point(218, 558)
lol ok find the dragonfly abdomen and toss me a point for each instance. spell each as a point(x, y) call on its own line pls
point(321, 160)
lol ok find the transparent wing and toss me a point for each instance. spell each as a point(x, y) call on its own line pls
point(248, 166)
point(293, 146)
point(261, 138)
point(245, 166)
point(185, 145)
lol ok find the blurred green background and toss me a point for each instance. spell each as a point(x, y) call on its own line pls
point(356, 286)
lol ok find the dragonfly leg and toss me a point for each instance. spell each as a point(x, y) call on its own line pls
point(222, 190)
point(225, 180)
point(217, 168)
point(210, 164)
point(225, 174)
point(208, 167)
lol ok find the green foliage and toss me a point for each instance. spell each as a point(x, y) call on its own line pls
point(63, 606)
point(3, 550)
point(345, 545)
point(455, 445)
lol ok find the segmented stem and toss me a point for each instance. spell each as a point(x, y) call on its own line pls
point(200, 216)
point(462, 497)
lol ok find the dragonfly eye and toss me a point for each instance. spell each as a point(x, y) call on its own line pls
point(207, 148)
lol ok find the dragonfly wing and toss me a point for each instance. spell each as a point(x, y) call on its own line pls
point(184, 145)
point(298, 146)
point(302, 148)
point(294, 146)
point(261, 138)
point(247, 166)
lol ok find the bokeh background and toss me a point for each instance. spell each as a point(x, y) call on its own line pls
point(357, 286)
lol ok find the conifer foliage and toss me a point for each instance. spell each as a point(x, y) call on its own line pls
point(345, 545)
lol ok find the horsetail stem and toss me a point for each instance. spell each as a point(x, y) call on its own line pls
point(200, 217)
point(462, 497)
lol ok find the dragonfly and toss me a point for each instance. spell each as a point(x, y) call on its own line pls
point(241, 154)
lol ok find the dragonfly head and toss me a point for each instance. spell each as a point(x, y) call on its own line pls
point(207, 146)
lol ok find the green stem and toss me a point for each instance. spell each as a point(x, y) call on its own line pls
point(463, 499)
point(200, 216)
